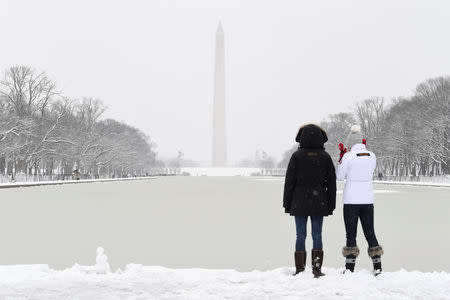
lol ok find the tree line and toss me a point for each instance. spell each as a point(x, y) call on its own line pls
point(410, 135)
point(44, 132)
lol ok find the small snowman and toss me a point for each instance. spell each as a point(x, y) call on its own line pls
point(101, 262)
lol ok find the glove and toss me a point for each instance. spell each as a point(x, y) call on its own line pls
point(343, 151)
point(364, 141)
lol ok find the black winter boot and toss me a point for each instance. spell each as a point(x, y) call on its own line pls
point(376, 260)
point(375, 253)
point(317, 261)
point(350, 261)
point(350, 254)
point(300, 261)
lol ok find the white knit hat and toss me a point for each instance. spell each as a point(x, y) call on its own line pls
point(354, 137)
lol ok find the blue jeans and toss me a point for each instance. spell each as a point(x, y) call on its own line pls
point(316, 225)
point(363, 212)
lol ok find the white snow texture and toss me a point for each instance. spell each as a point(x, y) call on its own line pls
point(140, 282)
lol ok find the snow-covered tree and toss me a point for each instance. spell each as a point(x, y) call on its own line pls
point(411, 136)
point(43, 132)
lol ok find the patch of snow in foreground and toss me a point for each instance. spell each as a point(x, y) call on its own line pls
point(137, 281)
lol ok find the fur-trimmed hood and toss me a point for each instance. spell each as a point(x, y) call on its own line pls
point(311, 136)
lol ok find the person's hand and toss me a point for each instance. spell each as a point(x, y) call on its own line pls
point(342, 151)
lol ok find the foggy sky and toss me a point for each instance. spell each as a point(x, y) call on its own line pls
point(287, 62)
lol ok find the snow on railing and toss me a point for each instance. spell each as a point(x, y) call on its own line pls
point(63, 177)
point(271, 172)
point(425, 179)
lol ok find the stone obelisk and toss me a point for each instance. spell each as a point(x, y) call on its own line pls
point(219, 146)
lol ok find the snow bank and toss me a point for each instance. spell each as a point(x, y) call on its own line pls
point(226, 171)
point(137, 281)
point(418, 183)
point(425, 183)
point(57, 182)
point(374, 191)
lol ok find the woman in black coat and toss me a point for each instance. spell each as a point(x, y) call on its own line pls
point(310, 190)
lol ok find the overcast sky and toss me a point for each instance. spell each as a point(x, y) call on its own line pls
point(287, 62)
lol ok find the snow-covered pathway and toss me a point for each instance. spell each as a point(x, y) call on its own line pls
point(140, 282)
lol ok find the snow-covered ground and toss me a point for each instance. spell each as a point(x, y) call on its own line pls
point(142, 282)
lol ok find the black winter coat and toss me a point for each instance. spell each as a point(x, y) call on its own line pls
point(310, 185)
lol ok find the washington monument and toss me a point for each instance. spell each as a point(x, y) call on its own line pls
point(219, 144)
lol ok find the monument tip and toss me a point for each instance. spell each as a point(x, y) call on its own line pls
point(219, 27)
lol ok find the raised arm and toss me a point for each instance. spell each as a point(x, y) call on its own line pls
point(342, 169)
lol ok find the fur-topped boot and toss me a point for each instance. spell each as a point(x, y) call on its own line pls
point(375, 254)
point(350, 254)
point(300, 261)
point(317, 261)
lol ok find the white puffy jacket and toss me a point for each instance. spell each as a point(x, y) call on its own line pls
point(357, 167)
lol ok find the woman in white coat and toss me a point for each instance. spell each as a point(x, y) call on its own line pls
point(357, 167)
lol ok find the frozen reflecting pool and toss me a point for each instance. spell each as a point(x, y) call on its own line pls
point(208, 222)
